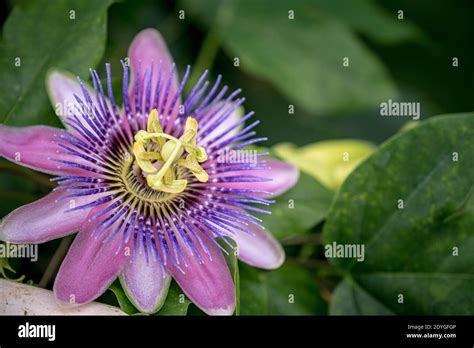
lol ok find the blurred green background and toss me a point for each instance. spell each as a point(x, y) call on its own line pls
point(409, 59)
point(399, 50)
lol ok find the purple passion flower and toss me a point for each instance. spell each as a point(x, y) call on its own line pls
point(150, 187)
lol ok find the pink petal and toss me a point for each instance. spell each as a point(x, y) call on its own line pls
point(208, 285)
point(33, 147)
point(43, 220)
point(282, 177)
point(90, 266)
point(144, 283)
point(61, 87)
point(258, 247)
point(147, 48)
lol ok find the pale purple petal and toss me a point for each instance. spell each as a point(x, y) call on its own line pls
point(225, 130)
point(61, 87)
point(44, 219)
point(90, 266)
point(258, 248)
point(208, 285)
point(279, 177)
point(145, 283)
point(34, 147)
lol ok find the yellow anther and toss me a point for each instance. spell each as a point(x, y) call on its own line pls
point(192, 164)
point(201, 155)
point(198, 151)
point(144, 164)
point(190, 131)
point(153, 126)
point(169, 152)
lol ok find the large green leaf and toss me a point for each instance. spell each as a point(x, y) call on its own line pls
point(302, 57)
point(299, 209)
point(418, 257)
point(39, 35)
point(176, 302)
point(329, 161)
point(289, 290)
point(125, 304)
point(368, 18)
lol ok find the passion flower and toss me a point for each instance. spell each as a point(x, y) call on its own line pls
point(149, 186)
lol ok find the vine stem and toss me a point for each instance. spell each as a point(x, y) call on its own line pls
point(205, 60)
point(55, 261)
point(37, 177)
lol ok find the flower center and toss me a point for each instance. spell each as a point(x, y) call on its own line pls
point(157, 154)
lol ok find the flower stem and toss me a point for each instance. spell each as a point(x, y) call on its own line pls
point(55, 261)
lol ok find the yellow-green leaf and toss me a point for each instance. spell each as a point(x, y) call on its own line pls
point(328, 161)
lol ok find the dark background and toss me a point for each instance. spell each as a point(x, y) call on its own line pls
point(420, 69)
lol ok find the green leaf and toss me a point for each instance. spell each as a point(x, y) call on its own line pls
point(302, 57)
point(329, 161)
point(350, 299)
point(176, 302)
point(411, 206)
point(299, 209)
point(289, 290)
point(5, 266)
point(39, 35)
point(367, 17)
point(124, 302)
point(233, 264)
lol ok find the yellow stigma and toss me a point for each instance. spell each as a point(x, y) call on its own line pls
point(168, 152)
